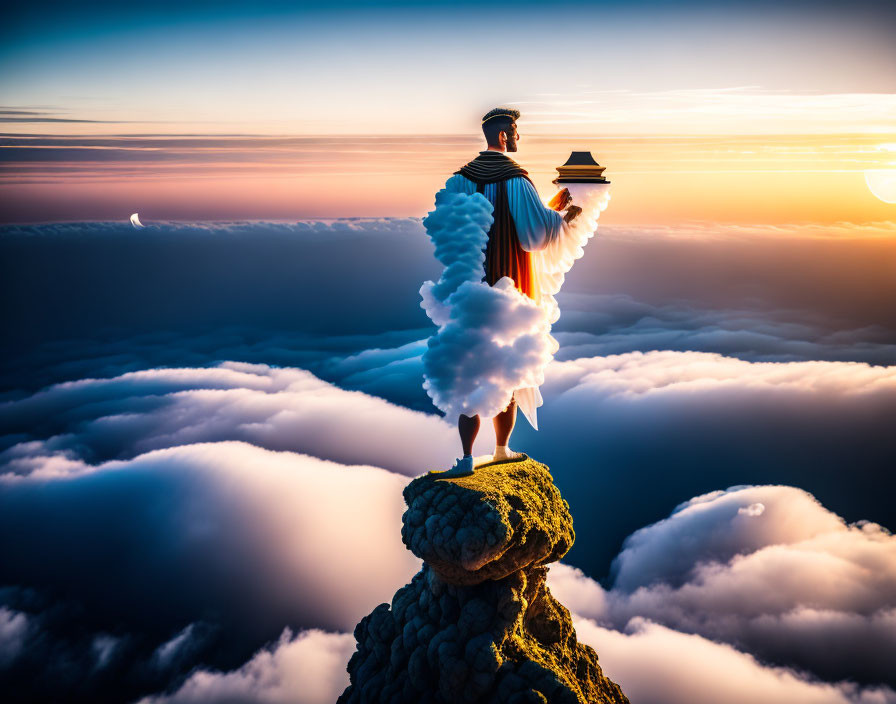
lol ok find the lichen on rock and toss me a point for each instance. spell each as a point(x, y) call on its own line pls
point(500, 519)
point(478, 622)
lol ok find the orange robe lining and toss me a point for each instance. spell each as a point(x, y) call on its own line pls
point(504, 256)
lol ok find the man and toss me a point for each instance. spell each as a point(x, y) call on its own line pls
point(522, 224)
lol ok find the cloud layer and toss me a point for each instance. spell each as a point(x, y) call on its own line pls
point(659, 665)
point(767, 570)
point(188, 554)
point(81, 299)
point(712, 421)
point(658, 662)
point(687, 423)
point(306, 668)
point(189, 453)
point(270, 407)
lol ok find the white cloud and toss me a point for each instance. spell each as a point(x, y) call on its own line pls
point(169, 650)
point(654, 665)
point(272, 407)
point(103, 647)
point(256, 536)
point(657, 665)
point(269, 537)
point(306, 668)
point(13, 630)
point(754, 510)
point(717, 528)
point(794, 585)
point(685, 374)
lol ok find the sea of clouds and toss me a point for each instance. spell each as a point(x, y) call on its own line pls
point(205, 433)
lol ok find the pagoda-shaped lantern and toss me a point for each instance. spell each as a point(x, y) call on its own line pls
point(580, 168)
point(584, 178)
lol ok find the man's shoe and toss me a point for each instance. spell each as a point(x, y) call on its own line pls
point(462, 468)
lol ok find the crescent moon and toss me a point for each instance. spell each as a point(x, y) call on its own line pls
point(135, 221)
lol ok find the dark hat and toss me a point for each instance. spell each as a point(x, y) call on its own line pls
point(501, 112)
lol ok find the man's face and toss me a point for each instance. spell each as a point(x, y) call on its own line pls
point(512, 137)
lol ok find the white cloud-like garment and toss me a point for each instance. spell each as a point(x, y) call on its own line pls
point(493, 340)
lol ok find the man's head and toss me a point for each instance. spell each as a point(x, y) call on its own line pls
point(499, 128)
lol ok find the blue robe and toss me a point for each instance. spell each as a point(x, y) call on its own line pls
point(536, 224)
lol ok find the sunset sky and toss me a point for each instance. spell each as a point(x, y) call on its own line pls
point(206, 424)
point(754, 112)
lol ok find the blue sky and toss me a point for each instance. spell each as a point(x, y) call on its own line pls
point(399, 67)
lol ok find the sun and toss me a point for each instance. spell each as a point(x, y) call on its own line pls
point(882, 183)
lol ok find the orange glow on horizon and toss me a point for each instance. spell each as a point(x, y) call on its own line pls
point(656, 180)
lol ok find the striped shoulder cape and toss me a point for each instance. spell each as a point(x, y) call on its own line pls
point(490, 167)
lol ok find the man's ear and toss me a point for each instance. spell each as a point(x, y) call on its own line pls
point(502, 138)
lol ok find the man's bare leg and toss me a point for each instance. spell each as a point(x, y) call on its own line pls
point(468, 427)
point(504, 423)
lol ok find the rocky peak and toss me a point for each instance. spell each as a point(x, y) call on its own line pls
point(478, 622)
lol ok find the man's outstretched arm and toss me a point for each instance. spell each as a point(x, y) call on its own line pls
point(536, 225)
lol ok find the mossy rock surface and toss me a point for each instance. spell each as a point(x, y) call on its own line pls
point(478, 623)
point(506, 641)
point(500, 519)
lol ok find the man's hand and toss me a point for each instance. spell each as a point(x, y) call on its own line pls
point(561, 200)
point(572, 213)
